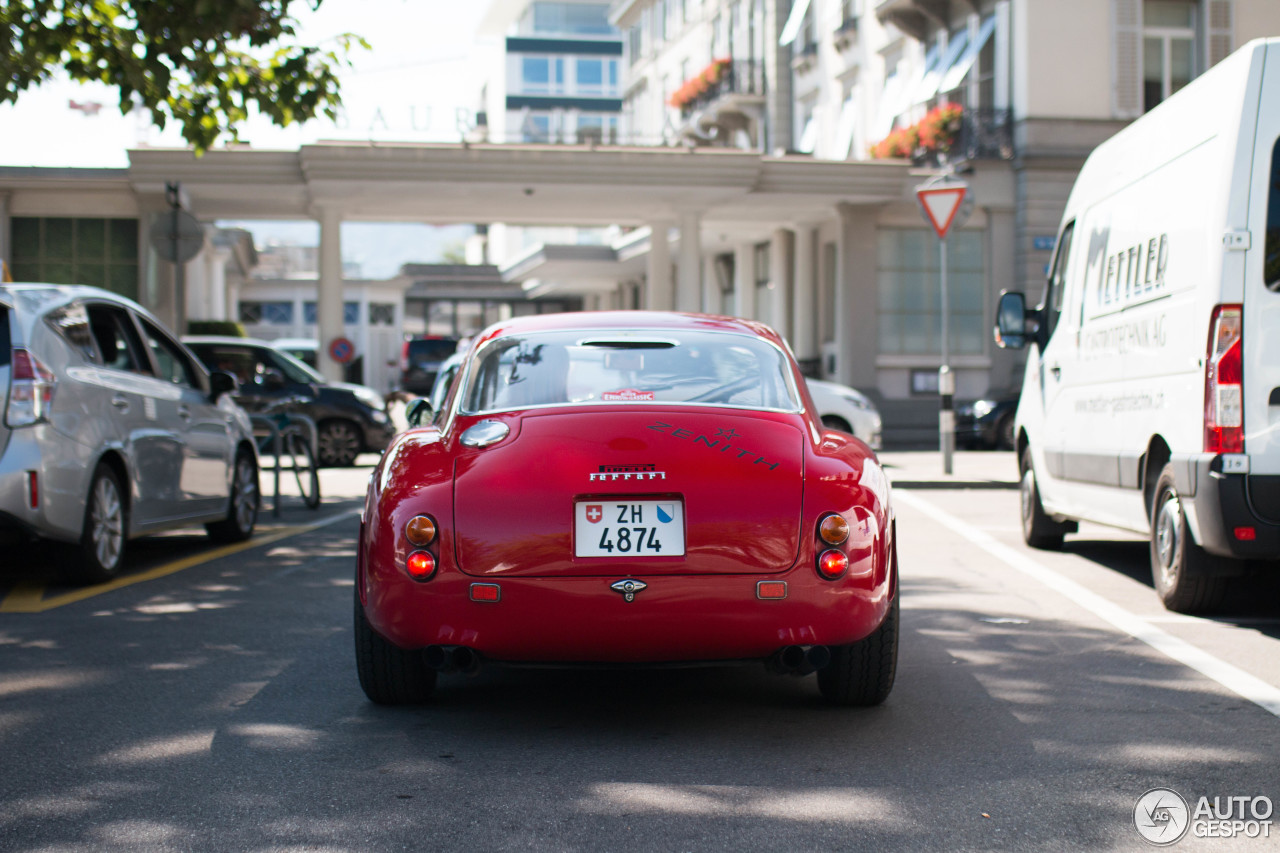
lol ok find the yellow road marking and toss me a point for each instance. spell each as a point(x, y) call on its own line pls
point(29, 597)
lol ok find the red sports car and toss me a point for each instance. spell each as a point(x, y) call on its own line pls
point(620, 489)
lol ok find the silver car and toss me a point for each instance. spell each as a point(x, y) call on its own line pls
point(112, 429)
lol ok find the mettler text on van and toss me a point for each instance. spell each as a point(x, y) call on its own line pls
point(1135, 272)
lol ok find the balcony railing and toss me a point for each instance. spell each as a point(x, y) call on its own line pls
point(985, 134)
point(740, 77)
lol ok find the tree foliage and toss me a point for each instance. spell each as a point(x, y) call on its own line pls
point(206, 64)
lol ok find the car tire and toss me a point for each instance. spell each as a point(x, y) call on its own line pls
point(99, 554)
point(1004, 433)
point(338, 444)
point(242, 511)
point(1038, 529)
point(1182, 571)
point(862, 673)
point(389, 675)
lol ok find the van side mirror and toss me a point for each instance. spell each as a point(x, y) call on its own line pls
point(418, 413)
point(222, 382)
point(1011, 321)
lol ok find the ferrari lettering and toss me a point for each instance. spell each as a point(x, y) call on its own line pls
point(719, 442)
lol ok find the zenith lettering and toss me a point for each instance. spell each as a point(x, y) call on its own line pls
point(718, 443)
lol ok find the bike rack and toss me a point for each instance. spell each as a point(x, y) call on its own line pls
point(268, 425)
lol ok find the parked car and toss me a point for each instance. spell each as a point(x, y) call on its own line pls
point(305, 349)
point(350, 419)
point(626, 488)
point(846, 409)
point(420, 361)
point(987, 424)
point(112, 429)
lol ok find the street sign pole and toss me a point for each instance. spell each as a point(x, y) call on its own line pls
point(941, 202)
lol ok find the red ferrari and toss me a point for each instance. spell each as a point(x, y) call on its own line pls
point(622, 489)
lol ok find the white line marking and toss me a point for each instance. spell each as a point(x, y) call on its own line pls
point(1238, 681)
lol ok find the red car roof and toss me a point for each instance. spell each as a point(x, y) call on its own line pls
point(672, 320)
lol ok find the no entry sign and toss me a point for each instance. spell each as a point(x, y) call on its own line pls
point(342, 350)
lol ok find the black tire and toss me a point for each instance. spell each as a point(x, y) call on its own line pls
point(389, 675)
point(1038, 529)
point(862, 673)
point(242, 511)
point(1182, 571)
point(99, 554)
point(1004, 433)
point(338, 444)
point(303, 463)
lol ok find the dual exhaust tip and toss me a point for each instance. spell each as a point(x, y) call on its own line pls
point(453, 659)
point(799, 660)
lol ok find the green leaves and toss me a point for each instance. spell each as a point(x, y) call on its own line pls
point(207, 64)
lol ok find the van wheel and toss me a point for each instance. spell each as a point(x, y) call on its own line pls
point(1181, 569)
point(1038, 529)
point(97, 557)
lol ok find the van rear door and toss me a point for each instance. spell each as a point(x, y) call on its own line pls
point(1262, 290)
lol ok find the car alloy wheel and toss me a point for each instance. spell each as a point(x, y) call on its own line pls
point(338, 443)
point(106, 524)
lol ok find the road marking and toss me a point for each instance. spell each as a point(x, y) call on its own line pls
point(29, 597)
point(1250, 687)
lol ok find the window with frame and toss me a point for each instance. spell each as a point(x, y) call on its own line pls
point(910, 301)
point(310, 313)
point(267, 313)
point(1271, 254)
point(73, 250)
point(119, 347)
point(382, 314)
point(1168, 48)
point(173, 364)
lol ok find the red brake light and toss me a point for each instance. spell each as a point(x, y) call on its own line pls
point(420, 565)
point(832, 564)
point(1224, 382)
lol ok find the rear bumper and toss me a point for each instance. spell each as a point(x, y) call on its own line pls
point(1219, 504)
point(582, 620)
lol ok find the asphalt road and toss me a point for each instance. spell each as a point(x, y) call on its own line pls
point(209, 701)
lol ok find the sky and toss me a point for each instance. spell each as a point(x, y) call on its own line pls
point(420, 72)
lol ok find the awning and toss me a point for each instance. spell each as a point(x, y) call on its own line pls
point(794, 22)
point(929, 86)
point(956, 73)
point(809, 137)
point(845, 127)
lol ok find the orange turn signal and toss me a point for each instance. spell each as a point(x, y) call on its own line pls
point(420, 565)
point(832, 564)
point(833, 529)
point(421, 530)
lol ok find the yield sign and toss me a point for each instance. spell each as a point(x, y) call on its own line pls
point(940, 203)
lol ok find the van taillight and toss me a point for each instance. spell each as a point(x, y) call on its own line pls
point(1224, 382)
point(31, 387)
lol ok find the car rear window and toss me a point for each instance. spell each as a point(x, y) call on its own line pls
point(424, 351)
point(1272, 257)
point(609, 367)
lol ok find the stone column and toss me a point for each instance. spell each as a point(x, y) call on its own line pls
point(658, 288)
point(329, 292)
point(780, 268)
point(804, 303)
point(857, 306)
point(744, 281)
point(6, 251)
point(689, 279)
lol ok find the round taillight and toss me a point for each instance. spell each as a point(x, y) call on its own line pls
point(832, 564)
point(833, 529)
point(420, 565)
point(421, 530)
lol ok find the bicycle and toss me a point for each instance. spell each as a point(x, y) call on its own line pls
point(290, 438)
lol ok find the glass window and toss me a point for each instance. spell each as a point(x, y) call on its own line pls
point(118, 345)
point(1168, 42)
point(590, 75)
point(1271, 260)
point(69, 250)
point(170, 360)
point(613, 367)
point(71, 322)
point(382, 314)
point(270, 313)
point(535, 72)
point(910, 294)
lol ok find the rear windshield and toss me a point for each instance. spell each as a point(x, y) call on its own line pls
point(434, 350)
point(610, 368)
point(1272, 268)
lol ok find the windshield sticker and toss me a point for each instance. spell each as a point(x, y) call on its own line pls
point(627, 395)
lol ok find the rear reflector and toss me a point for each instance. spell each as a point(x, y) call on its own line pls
point(1224, 382)
point(1246, 534)
point(486, 592)
point(33, 489)
point(771, 590)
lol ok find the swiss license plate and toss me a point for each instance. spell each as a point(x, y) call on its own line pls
point(628, 528)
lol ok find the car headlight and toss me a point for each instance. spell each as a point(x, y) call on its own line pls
point(982, 408)
point(369, 398)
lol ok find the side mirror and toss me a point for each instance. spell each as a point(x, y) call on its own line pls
point(1011, 321)
point(221, 382)
point(418, 413)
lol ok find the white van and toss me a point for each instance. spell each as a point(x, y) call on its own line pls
point(1151, 399)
